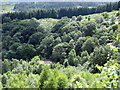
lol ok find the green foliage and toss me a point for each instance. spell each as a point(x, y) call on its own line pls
point(101, 55)
point(25, 51)
point(35, 38)
point(17, 81)
point(66, 37)
point(22, 81)
point(45, 75)
point(105, 15)
point(7, 7)
point(98, 18)
point(60, 77)
point(60, 24)
point(52, 83)
point(29, 5)
point(1, 85)
point(7, 19)
point(53, 80)
point(71, 57)
point(4, 79)
point(6, 66)
point(85, 57)
point(119, 28)
point(79, 44)
point(47, 34)
point(103, 39)
point(60, 12)
point(46, 45)
point(89, 28)
point(62, 81)
point(110, 74)
point(85, 80)
point(56, 80)
point(61, 53)
point(79, 18)
point(114, 27)
point(90, 44)
point(34, 83)
point(14, 46)
point(68, 28)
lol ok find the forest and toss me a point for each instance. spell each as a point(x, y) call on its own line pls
point(58, 13)
point(61, 48)
point(25, 6)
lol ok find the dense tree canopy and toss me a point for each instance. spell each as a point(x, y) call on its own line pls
point(60, 12)
point(75, 51)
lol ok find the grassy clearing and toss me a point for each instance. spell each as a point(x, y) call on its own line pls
point(118, 27)
point(6, 7)
point(48, 22)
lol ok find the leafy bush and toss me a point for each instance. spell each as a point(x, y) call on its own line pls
point(1, 85)
point(110, 74)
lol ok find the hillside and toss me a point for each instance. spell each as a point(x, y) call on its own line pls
point(25, 6)
point(58, 13)
point(46, 5)
point(6, 7)
point(53, 52)
point(70, 47)
point(60, 0)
